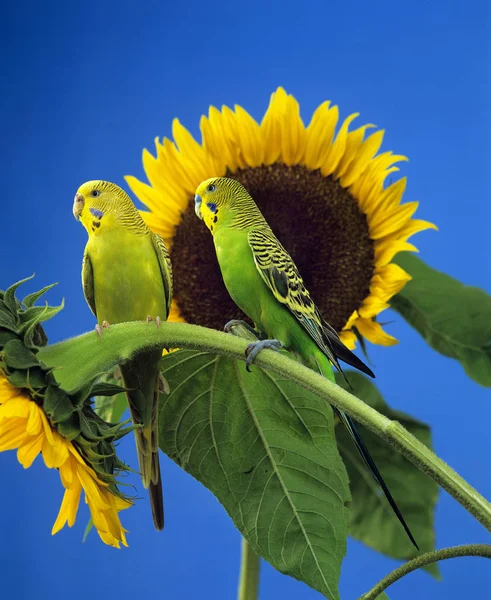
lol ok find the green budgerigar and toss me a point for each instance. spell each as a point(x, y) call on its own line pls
point(127, 276)
point(264, 282)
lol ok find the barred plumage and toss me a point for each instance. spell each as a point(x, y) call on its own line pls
point(127, 276)
point(265, 283)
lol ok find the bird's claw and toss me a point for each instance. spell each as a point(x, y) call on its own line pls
point(255, 348)
point(99, 328)
point(158, 320)
point(228, 326)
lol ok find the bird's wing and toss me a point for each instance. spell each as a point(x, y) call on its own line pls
point(165, 267)
point(88, 282)
point(281, 275)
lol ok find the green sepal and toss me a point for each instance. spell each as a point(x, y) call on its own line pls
point(101, 388)
point(84, 391)
point(57, 405)
point(6, 335)
point(38, 314)
point(31, 298)
point(31, 379)
point(17, 356)
point(70, 428)
point(7, 321)
point(9, 299)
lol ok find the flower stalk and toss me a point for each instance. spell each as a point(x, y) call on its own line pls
point(249, 573)
point(483, 550)
point(129, 337)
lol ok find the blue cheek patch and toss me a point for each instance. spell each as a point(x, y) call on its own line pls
point(212, 206)
point(96, 213)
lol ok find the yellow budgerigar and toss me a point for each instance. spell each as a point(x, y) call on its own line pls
point(127, 276)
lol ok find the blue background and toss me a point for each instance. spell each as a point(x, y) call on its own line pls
point(87, 85)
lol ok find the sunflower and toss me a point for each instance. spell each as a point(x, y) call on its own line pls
point(25, 427)
point(323, 193)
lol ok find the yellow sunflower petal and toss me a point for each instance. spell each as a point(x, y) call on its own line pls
point(354, 144)
point(385, 224)
point(412, 227)
point(27, 453)
point(92, 488)
point(271, 127)
point(319, 135)
point(216, 142)
point(387, 249)
point(68, 509)
point(55, 453)
point(14, 437)
point(248, 138)
point(163, 228)
point(17, 407)
point(362, 158)
point(348, 338)
point(373, 332)
point(337, 149)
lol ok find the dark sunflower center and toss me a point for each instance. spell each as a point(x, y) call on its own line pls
point(316, 220)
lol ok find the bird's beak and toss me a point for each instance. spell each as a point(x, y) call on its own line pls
point(197, 206)
point(78, 206)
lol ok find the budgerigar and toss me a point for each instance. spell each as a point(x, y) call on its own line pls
point(127, 276)
point(264, 282)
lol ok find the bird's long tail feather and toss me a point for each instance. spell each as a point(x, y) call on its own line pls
point(363, 450)
point(142, 395)
point(372, 467)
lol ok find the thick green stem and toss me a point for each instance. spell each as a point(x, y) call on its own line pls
point(76, 355)
point(425, 559)
point(249, 573)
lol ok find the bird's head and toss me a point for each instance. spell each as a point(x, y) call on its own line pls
point(97, 203)
point(216, 201)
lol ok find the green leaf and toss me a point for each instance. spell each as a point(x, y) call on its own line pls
point(266, 448)
point(373, 521)
point(455, 319)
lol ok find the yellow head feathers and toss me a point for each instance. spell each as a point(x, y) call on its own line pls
point(218, 199)
point(104, 203)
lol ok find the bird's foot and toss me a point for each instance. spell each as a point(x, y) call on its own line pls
point(158, 320)
point(228, 326)
point(99, 328)
point(255, 348)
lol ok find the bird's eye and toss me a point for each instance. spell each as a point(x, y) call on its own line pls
point(95, 193)
point(211, 188)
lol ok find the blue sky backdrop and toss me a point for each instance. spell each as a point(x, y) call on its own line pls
point(86, 86)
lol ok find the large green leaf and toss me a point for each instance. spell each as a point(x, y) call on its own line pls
point(266, 448)
point(455, 319)
point(373, 521)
